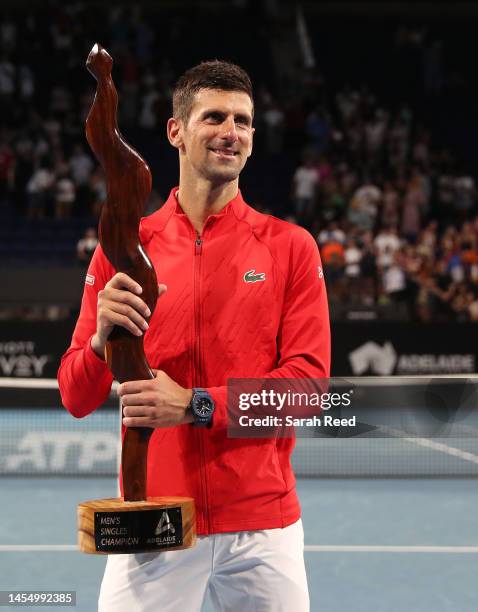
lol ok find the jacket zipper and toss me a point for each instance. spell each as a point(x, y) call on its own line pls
point(197, 367)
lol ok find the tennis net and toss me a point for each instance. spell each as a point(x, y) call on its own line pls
point(437, 436)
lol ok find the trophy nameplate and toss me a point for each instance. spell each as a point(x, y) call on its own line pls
point(133, 523)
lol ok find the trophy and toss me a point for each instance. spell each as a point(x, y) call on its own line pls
point(133, 523)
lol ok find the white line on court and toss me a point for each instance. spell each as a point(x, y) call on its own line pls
point(308, 548)
point(38, 547)
point(393, 549)
point(438, 446)
point(37, 383)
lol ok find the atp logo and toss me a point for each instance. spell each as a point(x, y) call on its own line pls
point(372, 357)
point(164, 524)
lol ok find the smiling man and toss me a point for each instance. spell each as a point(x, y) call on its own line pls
point(242, 296)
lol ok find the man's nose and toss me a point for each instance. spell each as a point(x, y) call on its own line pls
point(229, 130)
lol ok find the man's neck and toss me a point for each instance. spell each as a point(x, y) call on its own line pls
point(200, 199)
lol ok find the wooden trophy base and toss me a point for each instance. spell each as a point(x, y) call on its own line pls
point(113, 526)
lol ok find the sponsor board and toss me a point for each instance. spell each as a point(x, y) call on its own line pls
point(22, 358)
point(371, 358)
point(42, 443)
point(384, 348)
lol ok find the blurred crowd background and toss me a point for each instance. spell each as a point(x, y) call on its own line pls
point(365, 135)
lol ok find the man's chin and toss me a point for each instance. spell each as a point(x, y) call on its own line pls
point(225, 175)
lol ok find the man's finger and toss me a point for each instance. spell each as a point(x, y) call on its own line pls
point(129, 312)
point(138, 422)
point(134, 386)
point(126, 297)
point(123, 281)
point(139, 410)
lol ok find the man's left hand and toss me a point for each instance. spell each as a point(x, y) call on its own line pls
point(159, 402)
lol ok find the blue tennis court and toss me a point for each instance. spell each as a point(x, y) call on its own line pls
point(371, 544)
point(390, 522)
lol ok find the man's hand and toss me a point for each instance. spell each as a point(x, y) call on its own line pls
point(119, 304)
point(159, 402)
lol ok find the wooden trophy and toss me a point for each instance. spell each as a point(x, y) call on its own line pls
point(133, 523)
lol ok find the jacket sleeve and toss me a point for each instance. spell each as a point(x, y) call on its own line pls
point(83, 377)
point(303, 340)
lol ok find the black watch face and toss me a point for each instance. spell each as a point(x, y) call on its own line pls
point(203, 407)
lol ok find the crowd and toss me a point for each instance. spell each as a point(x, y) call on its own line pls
point(395, 217)
point(46, 168)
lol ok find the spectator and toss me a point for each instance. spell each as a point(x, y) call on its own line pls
point(86, 246)
point(375, 132)
point(274, 122)
point(413, 207)
point(387, 244)
point(305, 184)
point(353, 258)
point(7, 81)
point(40, 190)
point(333, 260)
point(7, 169)
point(368, 270)
point(332, 233)
point(65, 195)
point(81, 166)
point(364, 206)
point(394, 280)
point(465, 195)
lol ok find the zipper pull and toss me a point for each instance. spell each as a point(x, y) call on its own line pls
point(198, 245)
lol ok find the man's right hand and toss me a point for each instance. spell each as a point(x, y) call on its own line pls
point(119, 304)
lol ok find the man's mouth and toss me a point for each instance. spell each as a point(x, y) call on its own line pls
point(224, 152)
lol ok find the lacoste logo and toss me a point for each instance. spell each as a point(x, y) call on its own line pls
point(252, 277)
point(90, 279)
point(164, 524)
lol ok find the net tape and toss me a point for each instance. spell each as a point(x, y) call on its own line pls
point(40, 438)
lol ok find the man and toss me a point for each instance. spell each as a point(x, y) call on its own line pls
point(242, 295)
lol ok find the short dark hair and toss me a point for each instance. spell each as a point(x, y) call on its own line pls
point(213, 74)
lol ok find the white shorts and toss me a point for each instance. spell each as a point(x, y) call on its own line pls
point(260, 571)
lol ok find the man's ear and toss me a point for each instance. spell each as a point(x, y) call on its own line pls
point(252, 140)
point(174, 131)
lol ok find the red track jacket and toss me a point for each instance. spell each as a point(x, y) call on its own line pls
point(211, 325)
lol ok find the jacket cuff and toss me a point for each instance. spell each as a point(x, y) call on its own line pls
point(219, 396)
point(94, 361)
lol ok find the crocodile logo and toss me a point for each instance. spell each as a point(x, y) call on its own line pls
point(252, 277)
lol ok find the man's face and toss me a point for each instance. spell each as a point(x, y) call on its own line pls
point(217, 139)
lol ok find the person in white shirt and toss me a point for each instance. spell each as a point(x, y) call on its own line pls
point(39, 190)
point(81, 166)
point(86, 246)
point(353, 257)
point(387, 243)
point(364, 206)
point(305, 184)
point(65, 196)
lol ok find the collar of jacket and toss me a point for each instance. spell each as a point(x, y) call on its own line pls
point(159, 219)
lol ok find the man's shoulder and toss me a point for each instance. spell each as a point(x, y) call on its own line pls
point(275, 231)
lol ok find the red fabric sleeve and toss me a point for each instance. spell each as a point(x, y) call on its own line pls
point(303, 341)
point(83, 377)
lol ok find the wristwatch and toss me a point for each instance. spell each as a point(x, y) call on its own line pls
point(202, 407)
